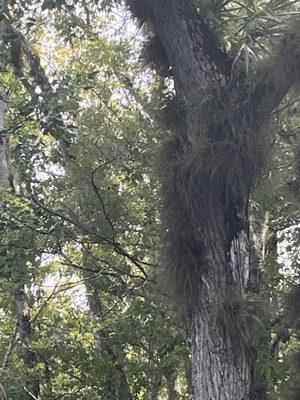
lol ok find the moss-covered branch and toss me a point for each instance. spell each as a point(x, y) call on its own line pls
point(191, 48)
point(277, 76)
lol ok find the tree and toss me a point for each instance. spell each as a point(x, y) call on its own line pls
point(80, 238)
point(219, 146)
point(88, 204)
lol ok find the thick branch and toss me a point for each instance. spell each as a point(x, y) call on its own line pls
point(191, 48)
point(279, 75)
point(36, 78)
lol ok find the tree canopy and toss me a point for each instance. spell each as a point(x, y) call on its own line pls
point(99, 132)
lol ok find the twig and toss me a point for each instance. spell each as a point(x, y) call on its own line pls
point(95, 187)
point(45, 303)
point(30, 394)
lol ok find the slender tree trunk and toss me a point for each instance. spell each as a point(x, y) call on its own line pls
point(155, 385)
point(118, 384)
point(4, 172)
point(32, 384)
point(22, 308)
point(188, 374)
point(2, 393)
point(171, 385)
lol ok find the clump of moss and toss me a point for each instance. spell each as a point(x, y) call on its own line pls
point(154, 56)
point(174, 115)
point(140, 9)
point(246, 317)
point(207, 175)
point(289, 54)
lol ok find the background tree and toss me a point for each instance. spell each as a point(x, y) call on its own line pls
point(85, 131)
point(219, 146)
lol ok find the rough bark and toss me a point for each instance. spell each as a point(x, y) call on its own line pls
point(206, 207)
point(188, 374)
point(191, 52)
point(221, 366)
point(4, 171)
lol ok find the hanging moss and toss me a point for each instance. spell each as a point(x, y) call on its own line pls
point(140, 9)
point(218, 148)
point(174, 114)
point(154, 56)
point(215, 168)
point(289, 55)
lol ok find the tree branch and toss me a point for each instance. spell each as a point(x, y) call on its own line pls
point(278, 76)
point(116, 246)
point(191, 48)
point(97, 192)
point(38, 79)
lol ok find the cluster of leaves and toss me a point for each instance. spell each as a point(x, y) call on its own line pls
point(80, 224)
point(80, 227)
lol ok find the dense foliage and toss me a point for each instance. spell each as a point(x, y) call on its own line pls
point(87, 309)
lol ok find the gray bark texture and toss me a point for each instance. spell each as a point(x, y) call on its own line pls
point(206, 200)
point(221, 366)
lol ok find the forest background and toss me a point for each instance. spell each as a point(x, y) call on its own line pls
point(88, 308)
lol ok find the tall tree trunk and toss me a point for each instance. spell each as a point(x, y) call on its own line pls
point(4, 171)
point(221, 363)
point(217, 150)
point(207, 239)
point(188, 374)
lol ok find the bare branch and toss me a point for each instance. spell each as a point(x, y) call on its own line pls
point(45, 303)
point(96, 190)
